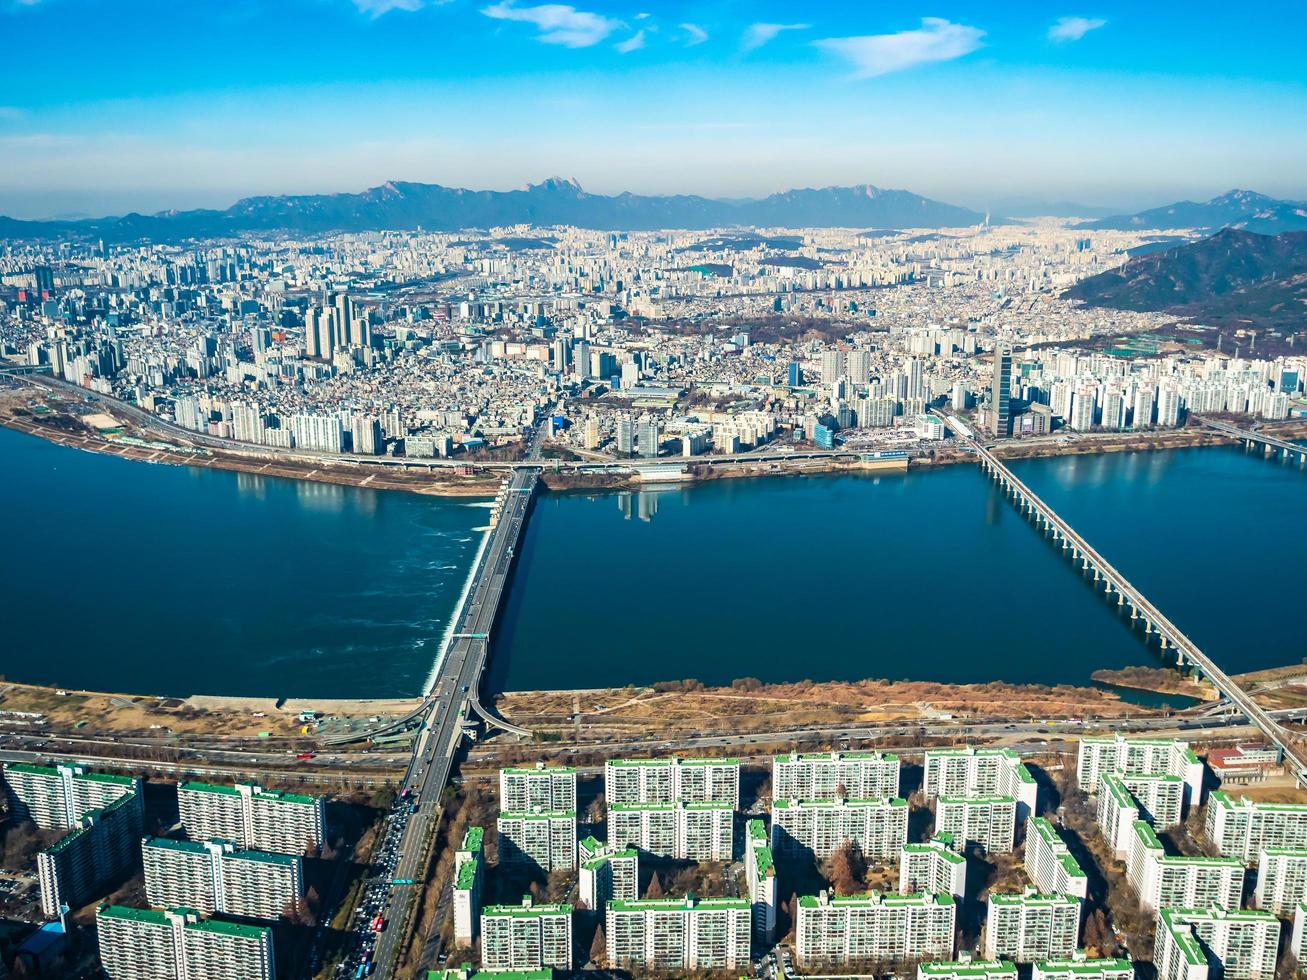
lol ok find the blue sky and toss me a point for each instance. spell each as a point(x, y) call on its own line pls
point(112, 105)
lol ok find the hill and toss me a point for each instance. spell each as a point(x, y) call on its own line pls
point(1231, 276)
point(402, 206)
point(1244, 210)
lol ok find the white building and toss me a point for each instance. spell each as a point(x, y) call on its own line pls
point(933, 866)
point(965, 968)
point(1082, 967)
point(1193, 944)
point(1117, 813)
point(1120, 756)
point(252, 817)
point(679, 934)
point(980, 773)
point(469, 877)
point(526, 936)
point(702, 831)
point(607, 874)
point(541, 837)
point(760, 872)
point(147, 944)
point(57, 797)
point(1172, 881)
point(1281, 881)
point(826, 775)
point(672, 780)
point(986, 821)
point(1029, 927)
point(523, 789)
point(214, 877)
point(878, 827)
point(1049, 863)
point(873, 929)
point(1243, 829)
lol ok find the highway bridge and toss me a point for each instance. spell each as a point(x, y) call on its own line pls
point(1170, 636)
point(454, 698)
point(1251, 437)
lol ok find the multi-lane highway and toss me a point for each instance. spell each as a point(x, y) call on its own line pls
point(452, 697)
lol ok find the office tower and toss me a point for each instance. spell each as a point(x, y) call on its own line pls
point(873, 928)
point(581, 360)
point(672, 780)
point(526, 936)
point(469, 874)
point(826, 775)
point(933, 866)
point(1193, 944)
point(101, 846)
point(965, 968)
point(56, 797)
point(1083, 967)
point(546, 787)
point(251, 817)
point(546, 838)
point(607, 873)
point(1030, 926)
point(1001, 393)
point(989, 822)
point(760, 873)
point(793, 374)
point(1049, 863)
point(684, 831)
point(1243, 829)
point(1174, 881)
point(146, 944)
point(878, 827)
point(630, 374)
point(1139, 756)
point(671, 934)
point(214, 877)
point(970, 772)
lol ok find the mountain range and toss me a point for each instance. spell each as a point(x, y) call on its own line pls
point(403, 206)
point(1244, 210)
point(1232, 276)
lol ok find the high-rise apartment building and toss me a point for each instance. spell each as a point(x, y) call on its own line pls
point(760, 872)
point(469, 875)
point(675, 934)
point(1001, 393)
point(972, 772)
point(1029, 927)
point(1281, 881)
point(933, 866)
point(214, 877)
point(672, 780)
point(56, 797)
point(251, 817)
point(101, 846)
point(1193, 944)
point(148, 944)
point(703, 831)
point(869, 929)
point(1117, 812)
point(526, 936)
point(607, 873)
point(545, 838)
point(988, 822)
point(826, 775)
point(965, 968)
point(540, 786)
point(1243, 828)
point(878, 827)
point(1123, 756)
point(1164, 880)
point(1049, 862)
point(1082, 967)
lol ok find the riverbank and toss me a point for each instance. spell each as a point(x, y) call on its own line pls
point(1159, 680)
point(43, 414)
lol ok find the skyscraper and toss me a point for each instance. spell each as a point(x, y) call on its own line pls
point(1001, 392)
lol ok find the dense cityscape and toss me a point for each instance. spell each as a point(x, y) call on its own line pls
point(707, 564)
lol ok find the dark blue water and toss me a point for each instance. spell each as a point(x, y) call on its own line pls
point(123, 576)
point(930, 575)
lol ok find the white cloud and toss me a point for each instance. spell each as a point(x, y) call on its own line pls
point(558, 23)
point(879, 54)
point(375, 8)
point(756, 35)
point(633, 43)
point(694, 34)
point(1073, 28)
point(11, 113)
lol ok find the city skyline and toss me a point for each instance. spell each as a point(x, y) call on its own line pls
point(153, 106)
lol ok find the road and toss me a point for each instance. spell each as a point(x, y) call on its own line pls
point(453, 695)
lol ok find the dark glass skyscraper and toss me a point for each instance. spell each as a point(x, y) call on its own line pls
point(1001, 392)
